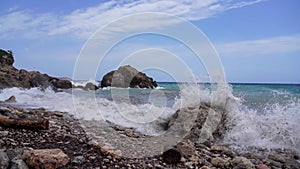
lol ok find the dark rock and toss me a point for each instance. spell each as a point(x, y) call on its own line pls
point(79, 160)
point(6, 57)
point(12, 77)
point(18, 164)
point(91, 86)
point(4, 160)
point(61, 83)
point(2, 143)
point(127, 76)
point(172, 154)
point(11, 99)
point(39, 80)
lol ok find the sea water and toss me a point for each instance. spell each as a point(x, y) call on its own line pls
point(260, 115)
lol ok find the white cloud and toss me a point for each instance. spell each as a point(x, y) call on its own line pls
point(23, 24)
point(283, 44)
point(82, 23)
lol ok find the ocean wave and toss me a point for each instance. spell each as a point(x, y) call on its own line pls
point(274, 126)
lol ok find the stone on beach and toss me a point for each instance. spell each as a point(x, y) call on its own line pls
point(46, 158)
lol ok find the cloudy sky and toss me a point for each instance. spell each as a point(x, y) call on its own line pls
point(256, 40)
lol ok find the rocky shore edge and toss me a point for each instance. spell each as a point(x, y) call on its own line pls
point(124, 76)
point(66, 145)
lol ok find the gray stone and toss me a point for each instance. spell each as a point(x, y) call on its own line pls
point(78, 160)
point(4, 160)
point(18, 164)
point(2, 143)
point(13, 153)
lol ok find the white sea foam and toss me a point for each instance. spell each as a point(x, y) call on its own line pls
point(83, 83)
point(275, 126)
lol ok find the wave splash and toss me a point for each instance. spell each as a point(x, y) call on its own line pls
point(274, 126)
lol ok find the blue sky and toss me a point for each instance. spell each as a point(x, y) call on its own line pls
point(257, 40)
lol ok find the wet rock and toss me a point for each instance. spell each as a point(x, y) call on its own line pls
point(79, 160)
point(46, 158)
point(11, 99)
point(61, 83)
point(292, 163)
point(4, 160)
point(127, 76)
point(90, 86)
point(128, 132)
point(18, 164)
point(277, 157)
point(220, 162)
point(242, 162)
point(4, 110)
point(2, 143)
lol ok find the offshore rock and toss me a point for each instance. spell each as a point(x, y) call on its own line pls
point(127, 76)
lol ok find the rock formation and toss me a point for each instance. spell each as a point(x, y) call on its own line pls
point(12, 77)
point(127, 76)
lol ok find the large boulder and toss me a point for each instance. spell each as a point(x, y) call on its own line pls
point(127, 76)
point(12, 77)
point(39, 80)
point(61, 83)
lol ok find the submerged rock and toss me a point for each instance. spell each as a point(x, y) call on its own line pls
point(127, 76)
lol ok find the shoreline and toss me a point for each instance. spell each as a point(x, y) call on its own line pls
point(66, 133)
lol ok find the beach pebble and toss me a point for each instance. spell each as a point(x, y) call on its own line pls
point(242, 162)
point(262, 166)
point(220, 162)
point(78, 160)
point(277, 158)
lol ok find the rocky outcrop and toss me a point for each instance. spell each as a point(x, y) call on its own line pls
point(127, 76)
point(12, 77)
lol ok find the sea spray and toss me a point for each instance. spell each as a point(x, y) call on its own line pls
point(276, 126)
point(271, 122)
